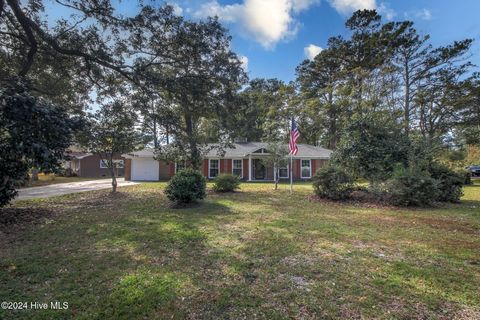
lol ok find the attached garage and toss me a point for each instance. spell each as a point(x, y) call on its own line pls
point(144, 169)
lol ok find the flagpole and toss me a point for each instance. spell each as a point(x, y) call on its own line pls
point(291, 173)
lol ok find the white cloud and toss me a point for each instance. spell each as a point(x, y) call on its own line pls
point(228, 13)
point(244, 61)
point(176, 8)
point(348, 6)
point(424, 14)
point(268, 21)
point(311, 51)
point(385, 11)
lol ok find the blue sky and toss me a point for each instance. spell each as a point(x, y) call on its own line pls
point(272, 34)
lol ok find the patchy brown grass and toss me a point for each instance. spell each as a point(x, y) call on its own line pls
point(256, 253)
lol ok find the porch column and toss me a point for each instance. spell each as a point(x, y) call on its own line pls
point(274, 172)
point(249, 167)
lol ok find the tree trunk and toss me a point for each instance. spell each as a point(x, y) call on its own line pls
point(34, 174)
point(114, 180)
point(332, 121)
point(167, 133)
point(406, 103)
point(194, 152)
point(155, 138)
point(113, 174)
point(276, 177)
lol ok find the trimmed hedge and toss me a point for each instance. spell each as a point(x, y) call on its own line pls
point(411, 188)
point(333, 183)
point(186, 186)
point(449, 183)
point(226, 183)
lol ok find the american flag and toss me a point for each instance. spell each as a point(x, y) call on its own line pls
point(294, 134)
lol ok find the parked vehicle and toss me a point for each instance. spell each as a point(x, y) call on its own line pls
point(475, 170)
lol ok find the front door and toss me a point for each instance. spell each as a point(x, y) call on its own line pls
point(259, 169)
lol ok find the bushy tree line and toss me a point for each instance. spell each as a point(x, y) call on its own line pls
point(154, 71)
point(401, 170)
point(179, 83)
point(26, 136)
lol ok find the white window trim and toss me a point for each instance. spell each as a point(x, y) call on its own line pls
point(103, 164)
point(288, 172)
point(120, 161)
point(115, 161)
point(241, 166)
point(218, 168)
point(301, 169)
point(176, 167)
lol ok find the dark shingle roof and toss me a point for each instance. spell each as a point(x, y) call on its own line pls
point(242, 150)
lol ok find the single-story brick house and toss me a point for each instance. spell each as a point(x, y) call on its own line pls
point(91, 165)
point(243, 160)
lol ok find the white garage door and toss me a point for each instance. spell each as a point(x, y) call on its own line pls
point(144, 170)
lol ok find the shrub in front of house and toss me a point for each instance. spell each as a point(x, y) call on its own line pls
point(226, 183)
point(467, 176)
point(411, 188)
point(449, 183)
point(187, 186)
point(333, 183)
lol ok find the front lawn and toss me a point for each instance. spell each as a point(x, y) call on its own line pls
point(257, 253)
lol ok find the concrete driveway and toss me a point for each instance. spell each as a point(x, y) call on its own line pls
point(71, 187)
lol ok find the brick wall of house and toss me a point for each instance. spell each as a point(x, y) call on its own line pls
point(90, 167)
point(164, 170)
point(205, 167)
point(171, 169)
point(222, 165)
point(128, 169)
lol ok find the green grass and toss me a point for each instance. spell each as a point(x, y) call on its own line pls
point(257, 253)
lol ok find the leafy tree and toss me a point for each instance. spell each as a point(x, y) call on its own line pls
point(111, 131)
point(417, 61)
point(319, 83)
point(468, 122)
point(200, 75)
point(257, 99)
point(33, 134)
point(277, 157)
point(156, 115)
point(372, 148)
point(90, 45)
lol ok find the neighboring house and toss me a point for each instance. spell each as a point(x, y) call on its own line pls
point(91, 165)
point(244, 160)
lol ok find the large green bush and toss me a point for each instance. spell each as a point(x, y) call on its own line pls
point(186, 186)
point(33, 134)
point(226, 183)
point(449, 183)
point(411, 188)
point(333, 183)
point(370, 148)
point(467, 176)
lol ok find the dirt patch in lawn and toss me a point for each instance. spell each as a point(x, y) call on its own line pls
point(357, 199)
point(10, 217)
point(448, 225)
